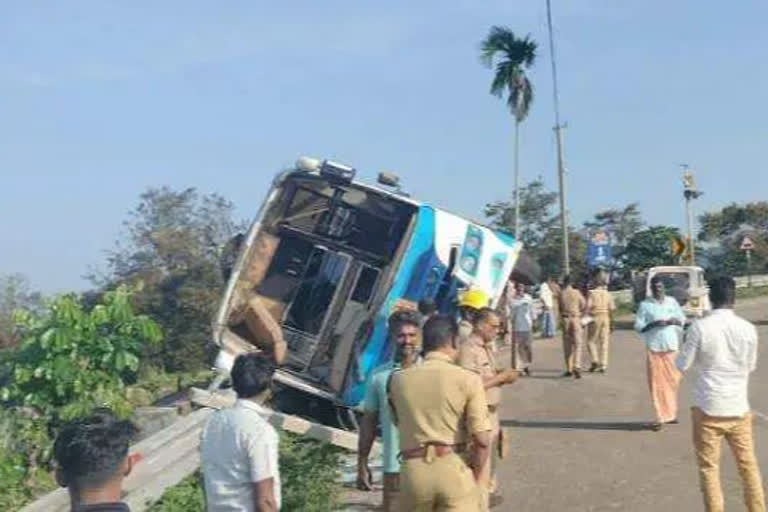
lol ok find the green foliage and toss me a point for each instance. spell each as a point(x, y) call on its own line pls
point(24, 455)
point(188, 496)
point(172, 246)
point(15, 295)
point(725, 230)
point(650, 248)
point(308, 472)
point(71, 360)
point(540, 229)
point(517, 55)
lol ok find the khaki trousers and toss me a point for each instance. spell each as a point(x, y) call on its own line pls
point(487, 480)
point(436, 483)
point(573, 342)
point(391, 492)
point(522, 349)
point(600, 339)
point(708, 432)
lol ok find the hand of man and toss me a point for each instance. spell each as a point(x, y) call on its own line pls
point(364, 478)
point(509, 375)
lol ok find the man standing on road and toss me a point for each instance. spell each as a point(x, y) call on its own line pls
point(548, 316)
point(660, 319)
point(722, 348)
point(572, 309)
point(238, 448)
point(476, 355)
point(520, 313)
point(405, 333)
point(601, 306)
point(436, 405)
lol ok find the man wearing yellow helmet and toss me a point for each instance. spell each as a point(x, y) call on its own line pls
point(472, 301)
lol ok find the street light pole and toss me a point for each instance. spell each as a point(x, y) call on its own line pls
point(690, 193)
point(559, 140)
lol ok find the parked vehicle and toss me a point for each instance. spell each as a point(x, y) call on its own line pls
point(329, 258)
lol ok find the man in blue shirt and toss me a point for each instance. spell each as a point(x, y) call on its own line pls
point(659, 320)
point(405, 332)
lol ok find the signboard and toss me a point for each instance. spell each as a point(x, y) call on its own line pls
point(747, 244)
point(599, 250)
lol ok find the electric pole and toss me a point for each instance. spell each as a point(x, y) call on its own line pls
point(559, 141)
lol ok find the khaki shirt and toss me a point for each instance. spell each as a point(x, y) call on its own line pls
point(601, 301)
point(557, 294)
point(478, 357)
point(573, 303)
point(465, 331)
point(438, 402)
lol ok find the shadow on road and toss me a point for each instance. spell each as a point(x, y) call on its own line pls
point(629, 426)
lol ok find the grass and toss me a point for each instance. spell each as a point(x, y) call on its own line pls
point(749, 293)
point(308, 472)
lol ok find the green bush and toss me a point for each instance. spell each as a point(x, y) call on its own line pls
point(308, 472)
point(71, 360)
point(187, 496)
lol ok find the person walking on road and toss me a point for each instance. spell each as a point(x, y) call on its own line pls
point(660, 319)
point(722, 348)
point(548, 326)
point(573, 306)
point(405, 333)
point(477, 356)
point(439, 407)
point(600, 305)
point(520, 313)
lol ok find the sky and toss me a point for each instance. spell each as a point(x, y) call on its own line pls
point(100, 100)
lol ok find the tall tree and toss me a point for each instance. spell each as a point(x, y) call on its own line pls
point(650, 247)
point(535, 213)
point(15, 295)
point(172, 246)
point(724, 231)
point(619, 223)
point(515, 56)
point(539, 229)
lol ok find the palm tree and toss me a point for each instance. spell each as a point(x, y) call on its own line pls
point(516, 56)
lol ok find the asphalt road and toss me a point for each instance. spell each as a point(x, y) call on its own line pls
point(582, 445)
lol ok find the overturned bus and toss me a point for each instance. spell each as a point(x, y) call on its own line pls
point(325, 263)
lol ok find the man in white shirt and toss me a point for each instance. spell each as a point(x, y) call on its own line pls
point(722, 348)
point(238, 448)
point(547, 317)
point(520, 311)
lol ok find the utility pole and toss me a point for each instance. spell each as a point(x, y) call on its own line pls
point(559, 140)
point(690, 193)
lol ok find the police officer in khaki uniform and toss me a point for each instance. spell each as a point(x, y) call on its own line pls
point(600, 305)
point(471, 302)
point(477, 355)
point(573, 307)
point(440, 408)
